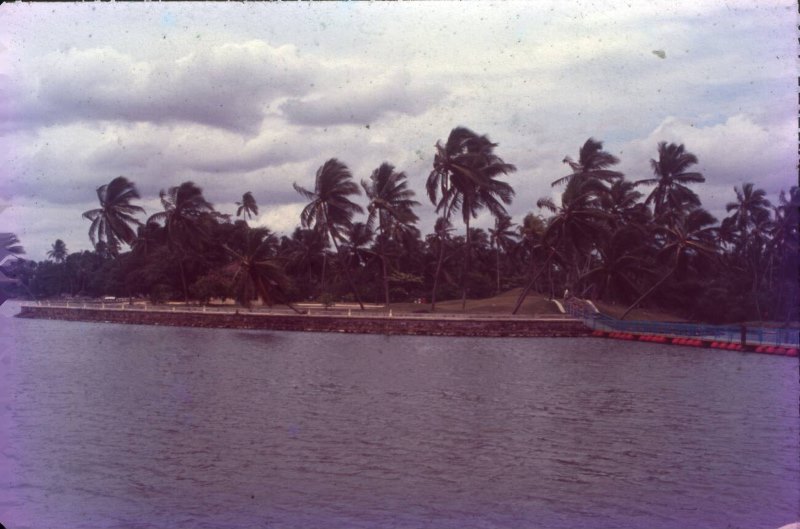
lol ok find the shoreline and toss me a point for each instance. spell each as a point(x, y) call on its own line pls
point(491, 327)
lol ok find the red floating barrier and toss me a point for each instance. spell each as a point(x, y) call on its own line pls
point(780, 351)
point(791, 352)
point(760, 348)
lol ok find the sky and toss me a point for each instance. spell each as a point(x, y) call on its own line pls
point(243, 97)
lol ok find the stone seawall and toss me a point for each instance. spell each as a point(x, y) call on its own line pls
point(357, 324)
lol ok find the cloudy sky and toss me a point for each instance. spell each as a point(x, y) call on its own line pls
point(252, 97)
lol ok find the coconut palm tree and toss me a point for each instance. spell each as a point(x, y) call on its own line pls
point(112, 221)
point(784, 247)
point(9, 247)
point(58, 252)
point(577, 225)
point(391, 203)
point(593, 163)
point(186, 218)
point(306, 254)
point(749, 205)
point(256, 271)
point(464, 177)
point(621, 261)
point(247, 207)
point(502, 237)
point(670, 197)
point(622, 203)
point(691, 240)
point(547, 250)
point(329, 210)
point(441, 239)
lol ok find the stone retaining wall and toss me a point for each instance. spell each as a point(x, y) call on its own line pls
point(360, 324)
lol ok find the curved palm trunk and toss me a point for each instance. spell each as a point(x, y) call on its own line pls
point(436, 275)
point(529, 286)
point(183, 281)
point(384, 271)
point(348, 276)
point(649, 291)
point(497, 262)
point(324, 266)
point(465, 270)
point(385, 281)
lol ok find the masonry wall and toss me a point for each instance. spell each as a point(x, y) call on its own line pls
point(360, 324)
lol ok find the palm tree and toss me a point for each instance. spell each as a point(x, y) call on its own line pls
point(58, 252)
point(750, 203)
point(9, 247)
point(306, 252)
point(546, 247)
point(671, 198)
point(578, 224)
point(622, 203)
point(593, 163)
point(502, 237)
point(441, 237)
point(784, 246)
point(186, 217)
point(465, 172)
point(256, 271)
point(329, 210)
point(247, 207)
point(112, 221)
point(621, 261)
point(391, 203)
point(688, 241)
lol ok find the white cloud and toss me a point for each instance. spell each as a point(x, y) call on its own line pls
point(228, 86)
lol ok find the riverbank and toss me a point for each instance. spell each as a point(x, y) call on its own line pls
point(353, 323)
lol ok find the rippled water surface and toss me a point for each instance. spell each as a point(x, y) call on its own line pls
point(133, 426)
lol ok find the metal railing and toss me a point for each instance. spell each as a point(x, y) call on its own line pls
point(782, 336)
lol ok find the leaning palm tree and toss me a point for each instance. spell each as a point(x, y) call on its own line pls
point(622, 203)
point(593, 163)
point(112, 221)
point(578, 224)
point(186, 217)
point(689, 241)
point(247, 207)
point(441, 238)
point(58, 251)
point(391, 203)
point(502, 237)
point(464, 177)
point(10, 247)
point(256, 271)
point(621, 261)
point(329, 210)
point(671, 198)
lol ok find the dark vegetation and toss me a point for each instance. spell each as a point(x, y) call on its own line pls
point(646, 243)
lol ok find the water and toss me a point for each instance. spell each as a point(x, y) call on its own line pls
point(133, 426)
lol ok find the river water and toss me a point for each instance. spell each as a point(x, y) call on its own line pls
point(132, 426)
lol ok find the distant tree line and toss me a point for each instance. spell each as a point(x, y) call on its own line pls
point(647, 242)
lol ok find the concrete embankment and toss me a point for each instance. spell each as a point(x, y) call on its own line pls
point(490, 327)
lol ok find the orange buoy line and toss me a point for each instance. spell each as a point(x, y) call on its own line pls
point(695, 342)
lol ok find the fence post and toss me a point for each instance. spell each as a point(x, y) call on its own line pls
point(743, 334)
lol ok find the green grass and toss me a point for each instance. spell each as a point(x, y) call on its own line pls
point(503, 304)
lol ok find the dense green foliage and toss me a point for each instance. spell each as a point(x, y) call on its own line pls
point(643, 243)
